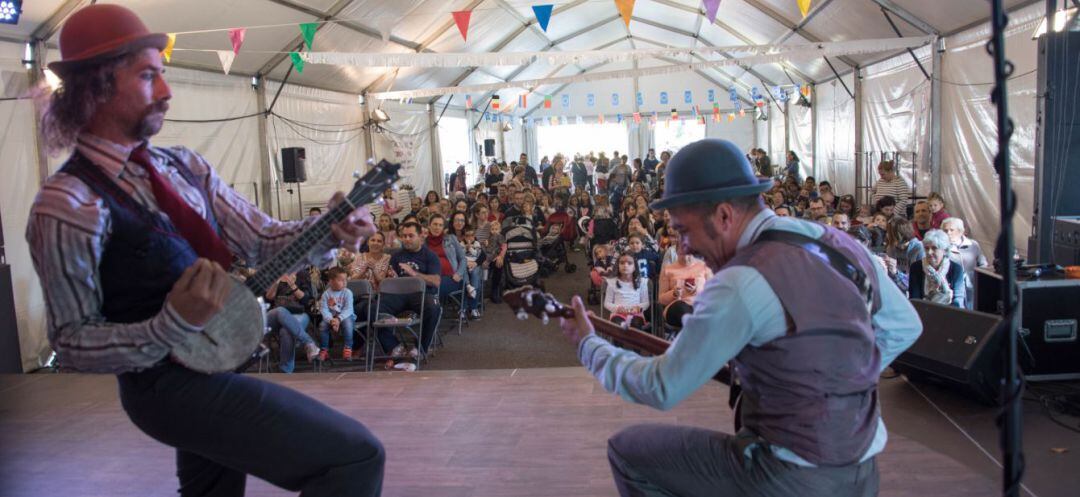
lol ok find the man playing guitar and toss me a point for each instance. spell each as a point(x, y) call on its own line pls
point(809, 322)
point(132, 243)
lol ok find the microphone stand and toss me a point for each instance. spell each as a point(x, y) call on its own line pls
point(1010, 418)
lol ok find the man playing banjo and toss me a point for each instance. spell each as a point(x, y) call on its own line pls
point(132, 243)
point(809, 320)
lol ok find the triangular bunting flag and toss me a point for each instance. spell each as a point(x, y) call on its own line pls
point(236, 37)
point(731, 117)
point(547, 101)
point(226, 57)
point(543, 15)
point(468, 101)
point(522, 101)
point(461, 18)
point(626, 10)
point(297, 61)
point(711, 6)
point(308, 30)
point(495, 102)
point(674, 114)
point(804, 6)
point(601, 119)
point(167, 52)
point(742, 112)
point(637, 118)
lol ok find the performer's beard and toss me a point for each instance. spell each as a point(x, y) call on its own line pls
point(152, 121)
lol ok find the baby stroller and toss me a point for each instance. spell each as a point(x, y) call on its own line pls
point(523, 257)
point(553, 248)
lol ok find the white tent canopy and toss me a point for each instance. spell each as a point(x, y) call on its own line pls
point(942, 124)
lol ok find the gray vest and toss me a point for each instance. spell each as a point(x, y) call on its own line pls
point(814, 390)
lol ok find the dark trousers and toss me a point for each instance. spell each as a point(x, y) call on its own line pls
point(227, 426)
point(668, 460)
point(397, 304)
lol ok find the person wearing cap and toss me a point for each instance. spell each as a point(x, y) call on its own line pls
point(132, 243)
point(806, 317)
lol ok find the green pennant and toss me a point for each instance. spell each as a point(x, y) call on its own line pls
point(297, 61)
point(308, 30)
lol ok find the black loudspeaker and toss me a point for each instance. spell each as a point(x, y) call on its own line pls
point(292, 165)
point(1049, 317)
point(10, 358)
point(958, 349)
point(489, 147)
point(1057, 144)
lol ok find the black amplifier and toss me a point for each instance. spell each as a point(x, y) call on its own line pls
point(1049, 310)
point(1066, 240)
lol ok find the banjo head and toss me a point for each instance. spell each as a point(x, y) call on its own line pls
point(229, 338)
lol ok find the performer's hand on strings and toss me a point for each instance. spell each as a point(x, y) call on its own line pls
point(200, 292)
point(355, 228)
point(580, 327)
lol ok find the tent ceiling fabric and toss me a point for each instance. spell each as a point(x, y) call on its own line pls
point(500, 23)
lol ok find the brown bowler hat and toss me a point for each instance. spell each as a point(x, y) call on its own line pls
point(100, 32)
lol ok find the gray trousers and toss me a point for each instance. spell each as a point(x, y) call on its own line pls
point(667, 460)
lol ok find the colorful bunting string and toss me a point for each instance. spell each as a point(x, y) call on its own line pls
point(547, 101)
point(297, 61)
point(461, 18)
point(308, 30)
point(226, 57)
point(626, 10)
point(543, 15)
point(236, 37)
point(495, 102)
point(711, 6)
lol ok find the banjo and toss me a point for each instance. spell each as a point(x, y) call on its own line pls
point(232, 339)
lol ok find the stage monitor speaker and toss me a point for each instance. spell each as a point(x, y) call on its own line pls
point(1049, 317)
point(293, 168)
point(1057, 143)
point(489, 147)
point(957, 349)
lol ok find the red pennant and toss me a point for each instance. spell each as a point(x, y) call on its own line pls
point(236, 36)
point(461, 17)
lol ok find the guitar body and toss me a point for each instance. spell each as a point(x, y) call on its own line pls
point(230, 338)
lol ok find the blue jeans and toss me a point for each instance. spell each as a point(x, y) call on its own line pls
point(290, 328)
point(226, 426)
point(449, 286)
point(397, 304)
point(346, 329)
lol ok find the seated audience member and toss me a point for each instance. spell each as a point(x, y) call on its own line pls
point(902, 249)
point(636, 227)
point(841, 221)
point(453, 268)
point(862, 234)
point(865, 215)
point(474, 259)
point(879, 224)
point(415, 205)
point(968, 252)
point(921, 219)
point(416, 260)
point(937, 209)
point(390, 204)
point(845, 204)
point(289, 319)
point(887, 205)
point(890, 184)
point(336, 308)
point(372, 265)
point(627, 294)
point(783, 211)
point(647, 259)
point(935, 277)
point(602, 228)
point(389, 232)
point(680, 282)
point(603, 264)
point(830, 202)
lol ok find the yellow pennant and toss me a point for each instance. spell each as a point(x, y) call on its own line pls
point(804, 6)
point(167, 52)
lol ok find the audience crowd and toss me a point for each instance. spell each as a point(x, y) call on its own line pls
point(465, 243)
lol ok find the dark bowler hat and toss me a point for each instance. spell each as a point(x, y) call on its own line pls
point(709, 170)
point(100, 32)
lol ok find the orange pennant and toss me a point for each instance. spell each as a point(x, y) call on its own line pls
point(626, 9)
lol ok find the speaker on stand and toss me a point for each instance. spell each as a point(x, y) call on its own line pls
point(489, 147)
point(10, 357)
point(294, 170)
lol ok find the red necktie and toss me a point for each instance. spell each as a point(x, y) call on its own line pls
point(189, 223)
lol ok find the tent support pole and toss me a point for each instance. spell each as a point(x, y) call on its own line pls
point(436, 160)
point(787, 129)
point(813, 133)
point(369, 137)
point(859, 166)
point(265, 169)
point(935, 116)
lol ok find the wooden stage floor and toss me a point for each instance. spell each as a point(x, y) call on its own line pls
point(504, 433)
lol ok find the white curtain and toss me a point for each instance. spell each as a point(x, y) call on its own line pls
point(969, 132)
point(836, 134)
point(896, 115)
point(777, 131)
point(406, 138)
point(802, 135)
point(740, 131)
point(18, 152)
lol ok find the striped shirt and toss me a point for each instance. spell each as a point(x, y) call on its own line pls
point(70, 226)
point(897, 189)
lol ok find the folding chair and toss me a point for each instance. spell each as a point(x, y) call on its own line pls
point(363, 295)
point(401, 286)
point(457, 297)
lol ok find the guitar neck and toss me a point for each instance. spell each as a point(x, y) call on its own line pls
point(631, 337)
point(296, 251)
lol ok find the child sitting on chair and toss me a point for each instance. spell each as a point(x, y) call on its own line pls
point(474, 258)
point(627, 294)
point(336, 307)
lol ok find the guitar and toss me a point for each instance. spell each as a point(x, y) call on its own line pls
point(232, 339)
point(527, 300)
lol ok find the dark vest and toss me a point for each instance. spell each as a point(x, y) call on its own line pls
point(145, 255)
point(814, 390)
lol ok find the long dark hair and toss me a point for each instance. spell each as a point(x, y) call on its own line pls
point(73, 104)
point(637, 271)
